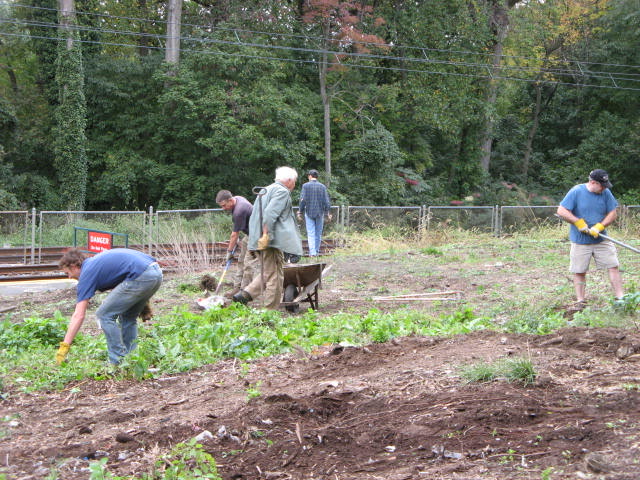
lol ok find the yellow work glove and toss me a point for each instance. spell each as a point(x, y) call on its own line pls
point(263, 241)
point(62, 352)
point(582, 225)
point(595, 230)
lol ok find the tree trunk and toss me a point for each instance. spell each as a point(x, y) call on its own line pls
point(174, 18)
point(67, 19)
point(326, 104)
point(71, 113)
point(143, 43)
point(535, 122)
point(500, 25)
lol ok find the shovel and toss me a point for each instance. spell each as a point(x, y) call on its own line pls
point(224, 272)
point(215, 299)
point(607, 237)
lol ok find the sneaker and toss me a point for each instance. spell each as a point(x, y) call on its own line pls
point(618, 303)
point(242, 297)
point(578, 306)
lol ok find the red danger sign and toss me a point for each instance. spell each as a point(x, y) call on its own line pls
point(98, 241)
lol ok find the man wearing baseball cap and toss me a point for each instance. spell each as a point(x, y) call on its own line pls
point(590, 208)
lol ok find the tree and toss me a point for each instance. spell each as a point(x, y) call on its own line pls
point(339, 23)
point(174, 19)
point(499, 19)
point(368, 169)
point(70, 140)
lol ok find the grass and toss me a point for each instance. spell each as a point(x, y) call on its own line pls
point(517, 370)
point(181, 340)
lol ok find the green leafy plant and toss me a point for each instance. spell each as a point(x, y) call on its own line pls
point(32, 332)
point(186, 461)
point(189, 288)
point(253, 390)
point(546, 473)
point(629, 304)
point(431, 251)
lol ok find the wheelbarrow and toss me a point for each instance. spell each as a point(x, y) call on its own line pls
point(301, 284)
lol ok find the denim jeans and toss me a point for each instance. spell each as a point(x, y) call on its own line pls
point(314, 233)
point(119, 312)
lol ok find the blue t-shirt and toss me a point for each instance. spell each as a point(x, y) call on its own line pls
point(110, 268)
point(593, 207)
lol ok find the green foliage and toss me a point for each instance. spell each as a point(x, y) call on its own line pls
point(629, 304)
point(539, 322)
point(189, 288)
point(171, 140)
point(185, 461)
point(32, 333)
point(184, 340)
point(70, 140)
point(479, 372)
point(366, 169)
point(432, 251)
point(519, 370)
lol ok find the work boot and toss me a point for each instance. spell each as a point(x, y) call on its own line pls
point(231, 293)
point(242, 297)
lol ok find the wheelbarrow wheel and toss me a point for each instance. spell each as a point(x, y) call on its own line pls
point(290, 293)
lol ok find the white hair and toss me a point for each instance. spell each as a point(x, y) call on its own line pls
point(286, 173)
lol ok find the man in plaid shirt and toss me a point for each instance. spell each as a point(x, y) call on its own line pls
point(314, 205)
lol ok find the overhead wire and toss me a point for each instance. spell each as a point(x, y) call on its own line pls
point(311, 37)
point(496, 72)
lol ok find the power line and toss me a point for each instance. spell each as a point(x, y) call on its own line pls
point(306, 37)
point(608, 76)
point(314, 62)
point(498, 72)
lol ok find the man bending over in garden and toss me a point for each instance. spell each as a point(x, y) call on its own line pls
point(132, 276)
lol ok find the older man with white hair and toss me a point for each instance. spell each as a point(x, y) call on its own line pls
point(272, 231)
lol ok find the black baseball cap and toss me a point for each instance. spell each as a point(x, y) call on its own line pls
point(602, 177)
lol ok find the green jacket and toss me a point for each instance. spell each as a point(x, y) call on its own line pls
point(277, 215)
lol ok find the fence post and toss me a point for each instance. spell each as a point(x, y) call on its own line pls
point(33, 235)
point(150, 232)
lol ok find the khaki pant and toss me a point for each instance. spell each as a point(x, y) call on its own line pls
point(247, 264)
point(604, 254)
point(272, 265)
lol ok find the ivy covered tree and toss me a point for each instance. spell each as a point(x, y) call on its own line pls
point(70, 140)
point(367, 171)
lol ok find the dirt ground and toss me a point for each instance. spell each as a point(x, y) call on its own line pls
point(394, 411)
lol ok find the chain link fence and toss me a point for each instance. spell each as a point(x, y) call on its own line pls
point(14, 229)
point(152, 231)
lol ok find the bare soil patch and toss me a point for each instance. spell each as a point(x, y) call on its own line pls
point(397, 410)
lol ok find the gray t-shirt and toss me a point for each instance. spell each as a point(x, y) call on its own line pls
point(240, 214)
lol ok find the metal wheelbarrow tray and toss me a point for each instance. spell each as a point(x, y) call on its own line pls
point(301, 283)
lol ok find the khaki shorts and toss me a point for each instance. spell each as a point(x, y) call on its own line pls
point(604, 253)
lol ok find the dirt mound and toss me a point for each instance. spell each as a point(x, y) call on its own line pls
point(395, 411)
